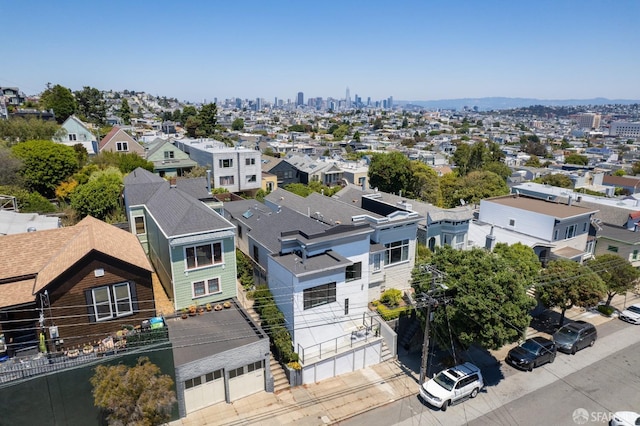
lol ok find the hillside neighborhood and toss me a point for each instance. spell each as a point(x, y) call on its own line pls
point(249, 248)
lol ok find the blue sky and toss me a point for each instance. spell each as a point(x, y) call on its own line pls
point(411, 50)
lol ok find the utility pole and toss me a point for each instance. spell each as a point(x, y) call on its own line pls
point(430, 300)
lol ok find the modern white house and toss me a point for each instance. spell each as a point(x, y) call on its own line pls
point(553, 230)
point(236, 169)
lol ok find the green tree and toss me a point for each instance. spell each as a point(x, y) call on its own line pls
point(187, 111)
point(356, 136)
point(91, 105)
point(238, 124)
point(522, 259)
point(472, 188)
point(377, 123)
point(555, 179)
point(490, 306)
point(619, 172)
point(565, 284)
point(390, 172)
point(531, 145)
point(59, 99)
point(19, 130)
point(618, 275)
point(28, 202)
point(125, 112)
point(405, 123)
point(498, 168)
point(45, 164)
point(577, 159)
point(10, 167)
point(100, 196)
point(138, 395)
point(533, 161)
point(341, 132)
point(424, 184)
point(125, 162)
point(208, 117)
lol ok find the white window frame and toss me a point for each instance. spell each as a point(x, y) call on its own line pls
point(403, 245)
point(116, 300)
point(206, 283)
point(377, 262)
point(96, 304)
point(195, 257)
point(225, 163)
point(122, 146)
point(227, 180)
point(251, 178)
point(168, 155)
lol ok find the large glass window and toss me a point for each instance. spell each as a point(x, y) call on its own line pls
point(396, 252)
point(102, 303)
point(226, 180)
point(122, 299)
point(203, 255)
point(354, 272)
point(225, 163)
point(319, 295)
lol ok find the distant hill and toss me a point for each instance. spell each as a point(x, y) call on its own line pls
point(496, 103)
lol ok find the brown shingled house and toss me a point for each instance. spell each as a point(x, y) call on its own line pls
point(77, 284)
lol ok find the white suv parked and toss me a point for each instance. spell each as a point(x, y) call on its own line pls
point(452, 385)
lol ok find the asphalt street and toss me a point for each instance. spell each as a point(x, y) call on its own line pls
point(600, 380)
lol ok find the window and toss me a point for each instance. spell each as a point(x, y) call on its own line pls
point(236, 372)
point(73, 137)
point(209, 377)
point(377, 257)
point(634, 256)
point(555, 235)
point(122, 146)
point(226, 180)
point(254, 366)
point(256, 254)
point(251, 178)
point(396, 252)
point(206, 287)
point(319, 295)
point(140, 228)
point(112, 301)
point(122, 299)
point(204, 255)
point(346, 306)
point(249, 161)
point(354, 272)
point(168, 154)
point(226, 163)
point(239, 231)
point(584, 227)
point(288, 174)
point(613, 249)
point(570, 232)
point(196, 381)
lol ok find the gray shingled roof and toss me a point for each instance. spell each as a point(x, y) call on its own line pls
point(619, 234)
point(330, 210)
point(196, 187)
point(607, 214)
point(175, 211)
point(266, 225)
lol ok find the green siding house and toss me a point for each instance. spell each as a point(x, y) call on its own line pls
point(168, 160)
point(191, 247)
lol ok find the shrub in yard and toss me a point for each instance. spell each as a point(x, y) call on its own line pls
point(605, 310)
point(388, 314)
point(391, 297)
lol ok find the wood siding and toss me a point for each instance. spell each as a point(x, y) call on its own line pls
point(69, 306)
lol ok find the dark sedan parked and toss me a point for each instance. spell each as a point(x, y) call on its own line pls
point(532, 353)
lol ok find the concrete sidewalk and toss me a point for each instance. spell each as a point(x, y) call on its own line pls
point(336, 399)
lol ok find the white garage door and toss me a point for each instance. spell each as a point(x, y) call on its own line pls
point(246, 380)
point(202, 391)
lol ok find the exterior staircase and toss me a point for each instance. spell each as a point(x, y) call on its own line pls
point(386, 353)
point(280, 381)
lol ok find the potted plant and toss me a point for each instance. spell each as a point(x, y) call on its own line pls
point(192, 310)
point(218, 307)
point(209, 307)
point(226, 304)
point(200, 309)
point(184, 313)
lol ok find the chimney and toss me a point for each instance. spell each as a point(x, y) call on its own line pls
point(490, 241)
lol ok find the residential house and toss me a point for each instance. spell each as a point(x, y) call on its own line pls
point(235, 169)
point(553, 230)
point(72, 284)
point(117, 140)
point(318, 274)
point(630, 185)
point(285, 172)
point(221, 355)
point(168, 160)
point(76, 132)
point(309, 170)
point(438, 227)
point(190, 245)
point(392, 244)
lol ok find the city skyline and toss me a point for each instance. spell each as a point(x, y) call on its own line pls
point(406, 50)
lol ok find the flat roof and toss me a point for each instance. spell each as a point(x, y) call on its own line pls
point(535, 205)
point(211, 333)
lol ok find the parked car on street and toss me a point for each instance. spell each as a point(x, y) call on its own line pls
point(631, 314)
point(452, 385)
point(625, 418)
point(532, 353)
point(574, 336)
